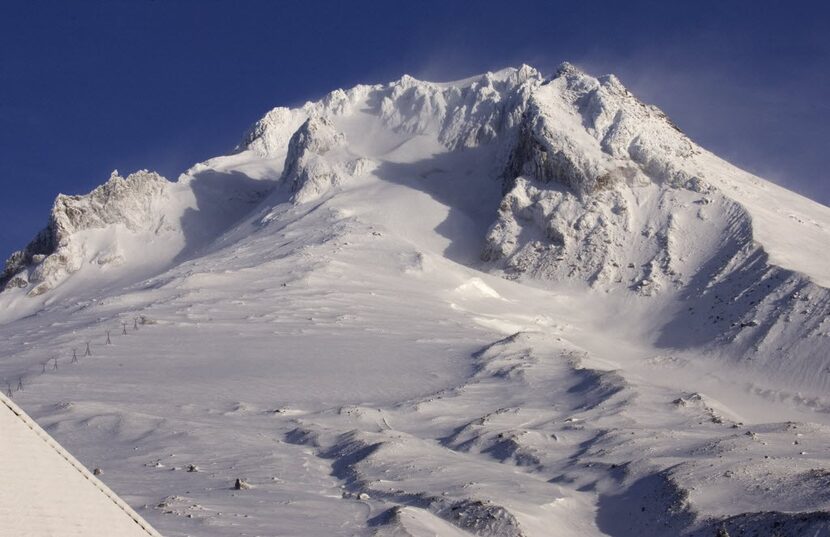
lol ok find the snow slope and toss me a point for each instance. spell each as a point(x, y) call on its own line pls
point(508, 305)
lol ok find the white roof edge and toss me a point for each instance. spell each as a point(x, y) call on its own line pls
point(77, 466)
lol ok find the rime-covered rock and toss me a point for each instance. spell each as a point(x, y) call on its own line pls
point(131, 202)
point(269, 135)
point(307, 174)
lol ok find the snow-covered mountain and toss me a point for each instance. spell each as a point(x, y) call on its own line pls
point(494, 306)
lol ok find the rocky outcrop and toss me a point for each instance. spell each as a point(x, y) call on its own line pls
point(307, 173)
point(585, 156)
point(53, 254)
point(270, 135)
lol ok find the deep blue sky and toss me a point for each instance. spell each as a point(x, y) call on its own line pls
point(86, 87)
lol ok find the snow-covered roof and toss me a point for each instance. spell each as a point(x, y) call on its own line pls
point(47, 492)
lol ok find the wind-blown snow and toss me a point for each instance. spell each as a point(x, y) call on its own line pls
point(495, 306)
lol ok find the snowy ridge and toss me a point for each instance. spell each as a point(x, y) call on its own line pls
point(127, 229)
point(494, 306)
point(463, 114)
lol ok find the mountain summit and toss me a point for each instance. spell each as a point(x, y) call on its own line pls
point(574, 301)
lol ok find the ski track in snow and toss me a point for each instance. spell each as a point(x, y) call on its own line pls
point(351, 359)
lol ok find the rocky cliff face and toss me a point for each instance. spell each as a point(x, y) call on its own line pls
point(583, 148)
point(602, 189)
point(307, 173)
point(131, 202)
point(270, 135)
